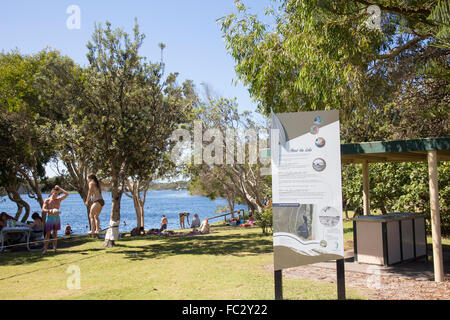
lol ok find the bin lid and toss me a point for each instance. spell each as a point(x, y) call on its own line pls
point(389, 217)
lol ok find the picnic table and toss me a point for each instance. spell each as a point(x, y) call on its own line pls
point(15, 234)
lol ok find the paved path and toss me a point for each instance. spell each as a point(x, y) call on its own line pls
point(405, 281)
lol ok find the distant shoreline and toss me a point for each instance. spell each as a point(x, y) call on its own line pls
point(169, 186)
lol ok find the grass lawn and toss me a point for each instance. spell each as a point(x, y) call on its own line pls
point(227, 264)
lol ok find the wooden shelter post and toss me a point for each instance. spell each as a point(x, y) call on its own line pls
point(435, 216)
point(366, 191)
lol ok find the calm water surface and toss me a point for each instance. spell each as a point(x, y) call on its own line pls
point(169, 203)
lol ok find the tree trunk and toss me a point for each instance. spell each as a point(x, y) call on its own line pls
point(116, 193)
point(137, 210)
point(14, 196)
point(142, 215)
point(134, 187)
point(33, 183)
point(231, 206)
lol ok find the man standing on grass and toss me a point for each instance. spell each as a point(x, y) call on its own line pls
point(53, 222)
point(164, 222)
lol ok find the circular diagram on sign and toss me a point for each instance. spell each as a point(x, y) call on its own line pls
point(317, 120)
point(329, 217)
point(314, 130)
point(320, 142)
point(319, 164)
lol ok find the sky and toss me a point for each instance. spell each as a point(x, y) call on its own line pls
point(189, 29)
point(194, 45)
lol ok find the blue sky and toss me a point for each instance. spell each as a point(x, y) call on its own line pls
point(194, 44)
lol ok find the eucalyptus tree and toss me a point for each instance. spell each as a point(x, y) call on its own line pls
point(230, 165)
point(330, 55)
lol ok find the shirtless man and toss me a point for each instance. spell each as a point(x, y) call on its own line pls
point(50, 209)
point(181, 217)
point(95, 191)
point(164, 223)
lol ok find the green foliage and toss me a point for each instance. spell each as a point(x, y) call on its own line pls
point(25, 148)
point(398, 187)
point(47, 184)
point(441, 16)
point(264, 220)
point(114, 117)
point(237, 181)
point(388, 84)
point(169, 185)
point(319, 55)
point(132, 109)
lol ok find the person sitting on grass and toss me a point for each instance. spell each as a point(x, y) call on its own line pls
point(3, 220)
point(239, 218)
point(195, 222)
point(250, 222)
point(137, 231)
point(204, 227)
point(4, 217)
point(231, 222)
point(37, 227)
point(236, 221)
point(68, 230)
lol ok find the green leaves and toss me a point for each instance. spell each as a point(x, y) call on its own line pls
point(398, 187)
point(321, 55)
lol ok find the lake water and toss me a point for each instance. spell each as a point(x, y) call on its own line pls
point(169, 203)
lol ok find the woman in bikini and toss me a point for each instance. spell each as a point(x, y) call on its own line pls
point(181, 217)
point(95, 191)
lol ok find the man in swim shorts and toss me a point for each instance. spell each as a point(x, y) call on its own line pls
point(51, 210)
point(164, 222)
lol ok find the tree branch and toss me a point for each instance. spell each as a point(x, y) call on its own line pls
point(402, 48)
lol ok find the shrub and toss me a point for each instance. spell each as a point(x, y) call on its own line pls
point(264, 220)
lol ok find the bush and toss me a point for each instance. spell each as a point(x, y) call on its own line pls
point(264, 220)
point(399, 187)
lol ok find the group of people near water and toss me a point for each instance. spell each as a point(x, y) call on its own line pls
point(202, 227)
point(50, 222)
point(239, 221)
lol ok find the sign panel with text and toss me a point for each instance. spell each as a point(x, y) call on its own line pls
point(306, 188)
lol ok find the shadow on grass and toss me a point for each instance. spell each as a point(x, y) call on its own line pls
point(237, 244)
point(348, 230)
point(39, 256)
point(138, 248)
point(20, 255)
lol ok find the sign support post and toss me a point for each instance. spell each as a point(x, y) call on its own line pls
point(278, 275)
point(340, 273)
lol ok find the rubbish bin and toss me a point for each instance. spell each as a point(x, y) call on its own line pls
point(389, 239)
